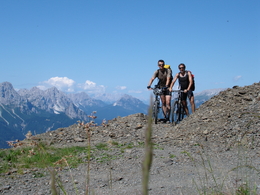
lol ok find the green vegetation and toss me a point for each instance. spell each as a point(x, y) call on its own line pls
point(158, 147)
point(172, 156)
point(101, 146)
point(42, 156)
point(39, 156)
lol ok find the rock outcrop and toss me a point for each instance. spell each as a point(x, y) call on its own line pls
point(231, 117)
point(226, 119)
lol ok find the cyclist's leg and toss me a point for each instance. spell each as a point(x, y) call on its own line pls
point(192, 103)
point(184, 103)
point(163, 99)
point(168, 104)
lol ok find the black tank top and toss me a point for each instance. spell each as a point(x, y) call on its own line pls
point(184, 81)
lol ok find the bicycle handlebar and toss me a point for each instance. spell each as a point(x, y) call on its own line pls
point(177, 90)
point(151, 88)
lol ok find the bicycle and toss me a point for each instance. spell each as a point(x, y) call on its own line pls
point(156, 104)
point(177, 110)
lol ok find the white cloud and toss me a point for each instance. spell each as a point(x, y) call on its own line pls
point(42, 87)
point(121, 87)
point(91, 87)
point(68, 85)
point(237, 78)
point(61, 83)
point(87, 85)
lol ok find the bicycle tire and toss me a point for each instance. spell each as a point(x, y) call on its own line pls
point(155, 111)
point(181, 113)
point(174, 113)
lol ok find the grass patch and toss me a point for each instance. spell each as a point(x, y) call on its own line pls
point(38, 157)
point(42, 156)
point(105, 157)
point(157, 147)
point(101, 146)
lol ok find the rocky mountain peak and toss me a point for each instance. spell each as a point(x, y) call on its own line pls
point(8, 95)
point(35, 89)
point(6, 85)
point(54, 92)
point(129, 102)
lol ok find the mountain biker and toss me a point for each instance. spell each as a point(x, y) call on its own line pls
point(164, 75)
point(185, 82)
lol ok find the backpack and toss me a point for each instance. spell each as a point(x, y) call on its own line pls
point(192, 88)
point(169, 67)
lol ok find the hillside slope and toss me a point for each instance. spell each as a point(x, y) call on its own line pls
point(181, 153)
point(225, 119)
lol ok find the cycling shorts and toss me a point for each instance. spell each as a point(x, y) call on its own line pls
point(166, 92)
point(185, 95)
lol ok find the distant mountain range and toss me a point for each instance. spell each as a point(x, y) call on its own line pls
point(39, 110)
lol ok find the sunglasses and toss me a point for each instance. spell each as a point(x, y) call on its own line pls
point(181, 67)
point(160, 64)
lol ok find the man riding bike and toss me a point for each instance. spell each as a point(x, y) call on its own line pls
point(164, 75)
point(185, 81)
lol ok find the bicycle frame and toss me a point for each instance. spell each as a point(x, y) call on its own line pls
point(177, 110)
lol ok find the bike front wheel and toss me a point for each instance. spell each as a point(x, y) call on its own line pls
point(155, 112)
point(173, 111)
point(176, 112)
point(182, 112)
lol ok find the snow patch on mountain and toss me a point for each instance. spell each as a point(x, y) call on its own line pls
point(129, 102)
point(58, 108)
point(3, 118)
point(17, 115)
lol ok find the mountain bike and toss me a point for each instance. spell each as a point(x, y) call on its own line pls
point(156, 104)
point(177, 109)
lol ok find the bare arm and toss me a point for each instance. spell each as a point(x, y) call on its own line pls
point(173, 81)
point(190, 81)
point(151, 81)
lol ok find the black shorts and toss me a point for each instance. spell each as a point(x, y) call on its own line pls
point(166, 92)
point(185, 95)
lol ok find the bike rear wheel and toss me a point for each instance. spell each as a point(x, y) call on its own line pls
point(177, 112)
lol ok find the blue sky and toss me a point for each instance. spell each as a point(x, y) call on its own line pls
point(101, 46)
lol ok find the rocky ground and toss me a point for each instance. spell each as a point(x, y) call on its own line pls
point(216, 147)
